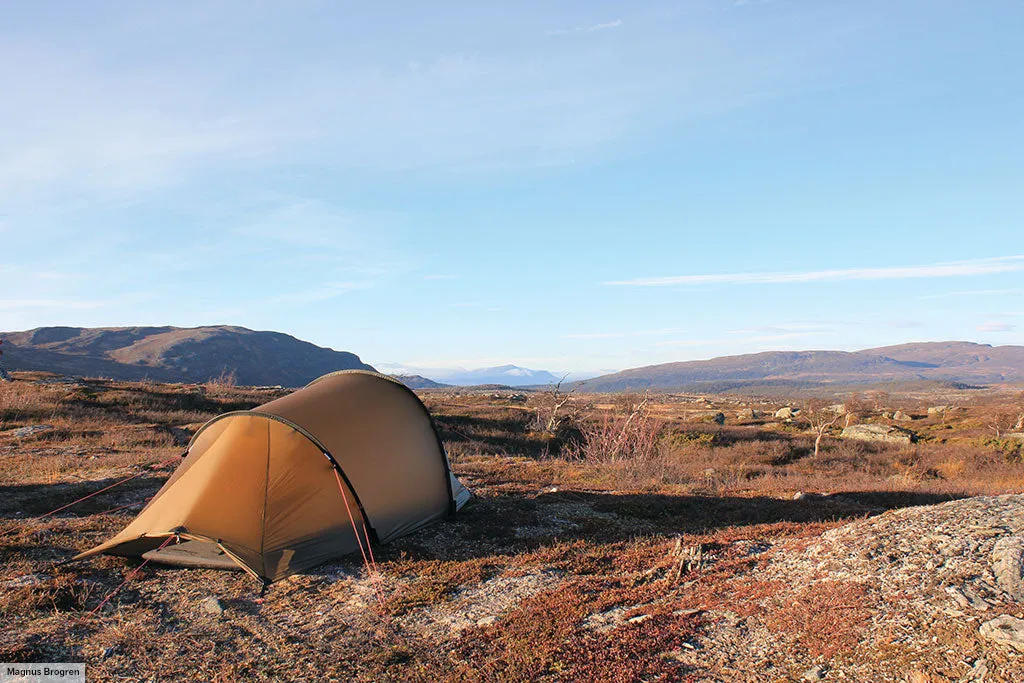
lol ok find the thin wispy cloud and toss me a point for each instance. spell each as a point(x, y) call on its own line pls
point(973, 292)
point(325, 292)
point(995, 326)
point(987, 266)
point(12, 304)
point(618, 335)
point(586, 29)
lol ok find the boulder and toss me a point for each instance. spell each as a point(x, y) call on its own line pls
point(937, 410)
point(747, 414)
point(718, 418)
point(838, 408)
point(900, 416)
point(876, 432)
point(784, 413)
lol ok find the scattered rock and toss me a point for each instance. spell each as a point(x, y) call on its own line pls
point(211, 605)
point(27, 581)
point(815, 673)
point(747, 414)
point(718, 418)
point(900, 416)
point(487, 621)
point(784, 413)
point(876, 432)
point(937, 410)
point(1014, 435)
point(887, 415)
point(967, 598)
point(838, 408)
point(801, 495)
point(639, 619)
point(31, 430)
point(1005, 630)
point(1008, 566)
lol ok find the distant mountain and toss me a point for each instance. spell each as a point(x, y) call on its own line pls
point(174, 354)
point(937, 361)
point(418, 382)
point(509, 375)
point(504, 375)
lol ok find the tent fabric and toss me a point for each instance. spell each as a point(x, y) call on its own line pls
point(257, 489)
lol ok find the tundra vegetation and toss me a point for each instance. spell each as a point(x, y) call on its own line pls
point(609, 535)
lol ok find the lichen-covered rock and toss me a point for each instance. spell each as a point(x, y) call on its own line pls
point(877, 432)
point(1008, 566)
point(1005, 630)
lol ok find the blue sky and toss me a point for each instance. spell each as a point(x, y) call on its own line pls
point(568, 186)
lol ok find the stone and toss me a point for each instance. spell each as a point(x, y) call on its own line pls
point(211, 605)
point(877, 432)
point(1014, 435)
point(784, 413)
point(487, 621)
point(900, 416)
point(1005, 630)
point(27, 581)
point(639, 619)
point(718, 418)
point(1008, 566)
point(937, 410)
point(31, 430)
point(815, 673)
point(799, 495)
point(837, 408)
point(747, 414)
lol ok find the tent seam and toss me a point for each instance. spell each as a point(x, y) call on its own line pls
point(452, 504)
point(266, 497)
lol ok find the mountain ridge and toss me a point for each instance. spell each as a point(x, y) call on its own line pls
point(175, 354)
point(938, 361)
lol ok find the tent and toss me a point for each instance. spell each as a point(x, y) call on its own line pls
point(351, 458)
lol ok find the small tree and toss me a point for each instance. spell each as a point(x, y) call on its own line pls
point(820, 416)
point(549, 412)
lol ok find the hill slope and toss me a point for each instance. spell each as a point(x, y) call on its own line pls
point(943, 361)
point(174, 354)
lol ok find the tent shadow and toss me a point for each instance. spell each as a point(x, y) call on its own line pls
point(510, 524)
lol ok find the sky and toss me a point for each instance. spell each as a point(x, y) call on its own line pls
point(571, 186)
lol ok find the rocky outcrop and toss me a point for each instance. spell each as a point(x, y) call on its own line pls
point(877, 432)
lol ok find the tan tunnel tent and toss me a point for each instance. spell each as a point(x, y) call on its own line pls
point(266, 490)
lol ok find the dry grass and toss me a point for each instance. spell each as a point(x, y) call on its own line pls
point(603, 511)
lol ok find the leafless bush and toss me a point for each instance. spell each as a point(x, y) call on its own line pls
point(554, 408)
point(632, 434)
point(227, 379)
